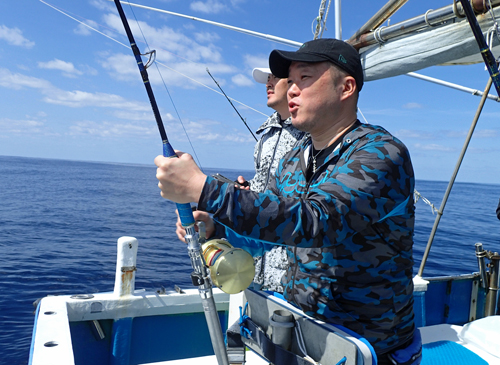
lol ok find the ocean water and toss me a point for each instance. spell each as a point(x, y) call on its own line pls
point(60, 220)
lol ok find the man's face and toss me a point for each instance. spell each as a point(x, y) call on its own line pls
point(276, 91)
point(313, 96)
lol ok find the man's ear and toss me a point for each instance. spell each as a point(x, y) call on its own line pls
point(349, 87)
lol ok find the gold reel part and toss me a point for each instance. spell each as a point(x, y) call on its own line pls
point(231, 269)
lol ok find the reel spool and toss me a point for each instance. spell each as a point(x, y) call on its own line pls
point(231, 269)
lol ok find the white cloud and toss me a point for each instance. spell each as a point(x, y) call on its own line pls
point(237, 2)
point(433, 147)
point(109, 129)
point(78, 99)
point(142, 116)
point(389, 112)
point(75, 99)
point(103, 5)
point(27, 126)
point(454, 134)
point(207, 130)
point(121, 66)
point(208, 7)
point(481, 133)
point(413, 106)
point(176, 44)
point(124, 67)
point(67, 68)
point(461, 134)
point(412, 133)
point(183, 58)
point(18, 81)
point(14, 36)
point(242, 80)
point(256, 61)
point(81, 29)
point(206, 37)
point(486, 133)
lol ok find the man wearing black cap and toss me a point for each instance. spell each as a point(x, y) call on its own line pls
point(341, 203)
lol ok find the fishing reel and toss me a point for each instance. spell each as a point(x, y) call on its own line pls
point(232, 269)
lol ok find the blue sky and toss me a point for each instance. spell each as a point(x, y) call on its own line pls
point(69, 92)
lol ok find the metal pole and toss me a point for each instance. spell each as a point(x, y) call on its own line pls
point(452, 180)
point(338, 19)
point(381, 16)
point(436, 17)
point(481, 255)
point(491, 297)
point(452, 85)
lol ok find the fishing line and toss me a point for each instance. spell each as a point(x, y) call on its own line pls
point(157, 62)
point(244, 121)
point(85, 24)
point(168, 92)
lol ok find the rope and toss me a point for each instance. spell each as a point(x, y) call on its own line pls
point(427, 20)
point(378, 36)
point(455, 10)
point(321, 19)
point(417, 196)
point(360, 112)
point(326, 16)
point(494, 28)
point(301, 344)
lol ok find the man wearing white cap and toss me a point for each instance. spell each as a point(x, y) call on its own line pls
point(278, 136)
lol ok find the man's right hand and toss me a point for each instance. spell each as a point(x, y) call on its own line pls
point(244, 184)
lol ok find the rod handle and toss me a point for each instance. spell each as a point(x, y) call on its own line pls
point(185, 211)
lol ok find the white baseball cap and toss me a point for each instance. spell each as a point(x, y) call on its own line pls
point(261, 74)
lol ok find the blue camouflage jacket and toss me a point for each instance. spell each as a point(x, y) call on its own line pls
point(348, 232)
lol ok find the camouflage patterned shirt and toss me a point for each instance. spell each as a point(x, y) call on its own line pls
point(348, 232)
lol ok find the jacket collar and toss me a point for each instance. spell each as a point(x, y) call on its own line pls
point(356, 132)
point(274, 120)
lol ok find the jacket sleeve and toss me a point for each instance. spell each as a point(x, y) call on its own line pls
point(372, 182)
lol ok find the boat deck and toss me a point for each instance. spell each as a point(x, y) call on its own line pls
point(251, 358)
point(447, 332)
point(430, 334)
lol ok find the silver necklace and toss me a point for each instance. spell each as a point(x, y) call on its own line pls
point(313, 157)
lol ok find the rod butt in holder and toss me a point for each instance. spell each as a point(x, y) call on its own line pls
point(282, 324)
point(481, 255)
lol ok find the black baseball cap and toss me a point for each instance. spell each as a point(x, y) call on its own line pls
point(340, 53)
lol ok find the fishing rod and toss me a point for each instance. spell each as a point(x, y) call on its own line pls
point(200, 276)
point(230, 102)
point(488, 57)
